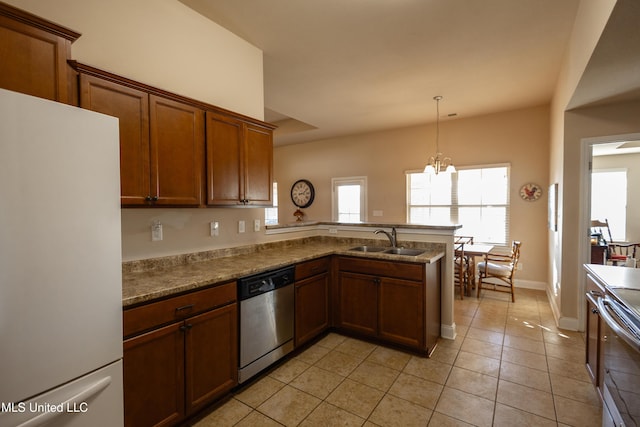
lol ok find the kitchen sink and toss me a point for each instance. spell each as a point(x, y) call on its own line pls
point(404, 251)
point(366, 248)
point(388, 250)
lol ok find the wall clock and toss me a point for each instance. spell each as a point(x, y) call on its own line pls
point(302, 193)
point(530, 192)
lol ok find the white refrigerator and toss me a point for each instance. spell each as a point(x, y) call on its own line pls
point(60, 266)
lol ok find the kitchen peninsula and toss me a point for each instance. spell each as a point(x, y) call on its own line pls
point(145, 280)
point(181, 312)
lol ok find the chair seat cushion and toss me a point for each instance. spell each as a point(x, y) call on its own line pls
point(501, 270)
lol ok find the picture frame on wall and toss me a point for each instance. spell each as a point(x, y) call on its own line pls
point(553, 207)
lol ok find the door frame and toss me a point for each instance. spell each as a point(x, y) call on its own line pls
point(584, 215)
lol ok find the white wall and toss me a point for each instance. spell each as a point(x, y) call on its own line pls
point(563, 292)
point(519, 137)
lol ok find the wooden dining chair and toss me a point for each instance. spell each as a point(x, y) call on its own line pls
point(616, 251)
point(497, 272)
point(460, 269)
point(463, 265)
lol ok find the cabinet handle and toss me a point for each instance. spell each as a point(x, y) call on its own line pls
point(596, 293)
point(147, 199)
point(154, 199)
point(594, 311)
point(186, 327)
point(184, 307)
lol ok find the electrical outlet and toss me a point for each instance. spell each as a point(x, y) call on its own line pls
point(240, 226)
point(214, 228)
point(520, 267)
point(256, 225)
point(156, 231)
point(333, 231)
point(377, 213)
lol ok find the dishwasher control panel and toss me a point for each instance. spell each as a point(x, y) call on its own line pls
point(261, 283)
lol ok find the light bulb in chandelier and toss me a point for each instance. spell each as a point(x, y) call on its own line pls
point(439, 163)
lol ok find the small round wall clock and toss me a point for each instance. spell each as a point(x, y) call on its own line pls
point(530, 192)
point(302, 193)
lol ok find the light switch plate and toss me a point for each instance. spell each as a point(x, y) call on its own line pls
point(214, 228)
point(256, 225)
point(156, 231)
point(240, 226)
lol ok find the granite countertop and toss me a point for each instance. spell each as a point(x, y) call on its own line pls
point(147, 280)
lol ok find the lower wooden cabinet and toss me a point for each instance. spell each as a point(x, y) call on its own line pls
point(393, 301)
point(594, 330)
point(401, 303)
point(154, 377)
point(311, 299)
point(172, 371)
point(211, 356)
point(358, 294)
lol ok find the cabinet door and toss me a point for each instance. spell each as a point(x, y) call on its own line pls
point(211, 355)
point(312, 307)
point(33, 60)
point(131, 107)
point(153, 367)
point(358, 303)
point(593, 328)
point(224, 160)
point(400, 312)
point(177, 152)
point(258, 166)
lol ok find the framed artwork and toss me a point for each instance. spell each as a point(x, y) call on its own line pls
point(553, 207)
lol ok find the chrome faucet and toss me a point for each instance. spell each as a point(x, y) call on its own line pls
point(393, 237)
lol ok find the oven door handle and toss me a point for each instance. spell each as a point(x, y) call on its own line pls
point(614, 325)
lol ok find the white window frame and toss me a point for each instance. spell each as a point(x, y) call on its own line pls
point(271, 213)
point(453, 215)
point(351, 180)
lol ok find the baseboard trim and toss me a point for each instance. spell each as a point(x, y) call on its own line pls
point(563, 322)
point(530, 284)
point(448, 331)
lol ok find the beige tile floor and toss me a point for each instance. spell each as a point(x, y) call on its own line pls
point(509, 366)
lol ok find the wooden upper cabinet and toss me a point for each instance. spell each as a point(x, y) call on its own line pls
point(224, 160)
point(131, 107)
point(258, 171)
point(177, 152)
point(34, 54)
point(239, 162)
point(161, 139)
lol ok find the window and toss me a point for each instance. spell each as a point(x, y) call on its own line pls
point(609, 200)
point(349, 202)
point(476, 197)
point(271, 214)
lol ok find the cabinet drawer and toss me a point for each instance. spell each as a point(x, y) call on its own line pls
point(311, 268)
point(147, 316)
point(400, 270)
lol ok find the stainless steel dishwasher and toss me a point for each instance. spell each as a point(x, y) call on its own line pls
point(266, 319)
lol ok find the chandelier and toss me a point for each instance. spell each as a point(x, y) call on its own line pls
point(438, 163)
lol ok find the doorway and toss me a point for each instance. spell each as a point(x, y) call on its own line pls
point(612, 145)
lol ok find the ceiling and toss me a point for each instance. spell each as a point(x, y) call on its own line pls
point(337, 67)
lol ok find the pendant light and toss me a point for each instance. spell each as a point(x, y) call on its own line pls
point(438, 163)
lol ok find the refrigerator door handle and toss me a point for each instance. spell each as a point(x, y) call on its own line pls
point(74, 402)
